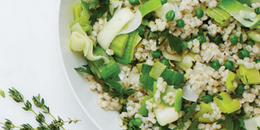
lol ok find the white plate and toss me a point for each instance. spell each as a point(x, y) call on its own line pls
point(104, 120)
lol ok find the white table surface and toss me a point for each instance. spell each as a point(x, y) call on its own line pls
point(30, 61)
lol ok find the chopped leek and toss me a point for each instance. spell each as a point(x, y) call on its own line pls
point(233, 7)
point(226, 104)
point(165, 114)
point(150, 6)
point(160, 12)
point(189, 94)
point(252, 123)
point(157, 70)
point(132, 42)
point(83, 20)
point(106, 70)
point(77, 10)
point(229, 81)
point(77, 41)
point(173, 78)
point(133, 24)
point(178, 100)
point(204, 108)
point(114, 4)
point(219, 15)
point(186, 61)
point(118, 45)
point(143, 110)
point(145, 80)
point(113, 27)
point(248, 76)
point(254, 35)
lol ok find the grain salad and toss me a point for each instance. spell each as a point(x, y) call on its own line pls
point(172, 64)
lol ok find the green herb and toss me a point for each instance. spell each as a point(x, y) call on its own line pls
point(110, 15)
point(84, 69)
point(38, 102)
point(100, 11)
point(175, 43)
point(2, 93)
point(216, 39)
point(114, 83)
point(258, 127)
point(220, 121)
point(248, 19)
point(130, 124)
point(190, 113)
point(126, 92)
point(194, 125)
point(92, 4)
point(229, 124)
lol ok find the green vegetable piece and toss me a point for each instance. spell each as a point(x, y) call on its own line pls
point(173, 78)
point(219, 15)
point(118, 45)
point(187, 109)
point(114, 83)
point(83, 20)
point(185, 45)
point(257, 10)
point(137, 121)
point(106, 70)
point(254, 36)
point(199, 13)
point(178, 100)
point(229, 81)
point(207, 98)
point(233, 39)
point(157, 70)
point(243, 53)
point(250, 42)
point(227, 105)
point(134, 2)
point(240, 122)
point(156, 54)
point(84, 69)
point(257, 60)
point(143, 111)
point(229, 64)
point(248, 76)
point(132, 42)
point(77, 10)
point(233, 7)
point(180, 23)
point(2, 93)
point(152, 35)
point(216, 39)
point(94, 70)
point(150, 6)
point(190, 113)
point(215, 65)
point(170, 15)
point(201, 32)
point(201, 38)
point(186, 61)
point(141, 30)
point(205, 108)
point(165, 62)
point(175, 43)
point(164, 1)
point(145, 80)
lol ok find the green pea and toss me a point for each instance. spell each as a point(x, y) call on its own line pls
point(199, 13)
point(240, 89)
point(134, 2)
point(170, 15)
point(257, 60)
point(141, 30)
point(229, 65)
point(233, 39)
point(243, 53)
point(180, 23)
point(207, 98)
point(163, 1)
point(187, 109)
point(257, 10)
point(201, 38)
point(165, 62)
point(215, 65)
point(137, 121)
point(250, 42)
point(156, 54)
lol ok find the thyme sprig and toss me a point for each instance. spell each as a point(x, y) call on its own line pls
point(38, 102)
